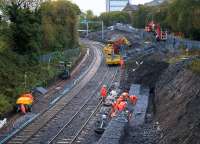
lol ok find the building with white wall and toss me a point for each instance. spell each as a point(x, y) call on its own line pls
point(115, 5)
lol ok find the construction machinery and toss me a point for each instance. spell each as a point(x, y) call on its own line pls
point(24, 103)
point(64, 68)
point(115, 50)
point(150, 27)
point(156, 29)
point(160, 35)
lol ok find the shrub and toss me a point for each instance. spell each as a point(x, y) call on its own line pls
point(195, 66)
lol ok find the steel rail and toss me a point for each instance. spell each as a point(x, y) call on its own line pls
point(95, 111)
point(81, 108)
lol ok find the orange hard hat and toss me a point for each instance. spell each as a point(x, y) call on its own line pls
point(133, 98)
point(125, 94)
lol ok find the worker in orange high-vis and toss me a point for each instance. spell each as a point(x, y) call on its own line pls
point(122, 63)
point(131, 104)
point(122, 106)
point(119, 104)
point(103, 92)
point(113, 109)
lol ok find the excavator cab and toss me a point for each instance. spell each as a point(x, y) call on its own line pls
point(150, 27)
point(160, 35)
point(114, 50)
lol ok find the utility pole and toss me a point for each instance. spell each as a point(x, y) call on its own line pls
point(102, 36)
point(25, 80)
point(87, 22)
point(87, 28)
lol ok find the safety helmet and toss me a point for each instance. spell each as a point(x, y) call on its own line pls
point(104, 86)
point(103, 116)
point(133, 98)
point(125, 94)
point(113, 93)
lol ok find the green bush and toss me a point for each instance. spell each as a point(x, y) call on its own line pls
point(177, 16)
point(5, 104)
point(30, 33)
point(195, 66)
point(110, 18)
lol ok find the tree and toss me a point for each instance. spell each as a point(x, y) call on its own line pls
point(114, 17)
point(59, 25)
point(183, 16)
point(142, 16)
point(89, 15)
point(25, 24)
point(175, 15)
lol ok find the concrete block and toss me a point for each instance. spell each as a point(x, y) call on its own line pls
point(114, 132)
point(135, 89)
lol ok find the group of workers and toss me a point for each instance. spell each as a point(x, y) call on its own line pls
point(124, 102)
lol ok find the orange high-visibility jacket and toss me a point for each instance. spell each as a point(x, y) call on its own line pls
point(121, 106)
point(121, 62)
point(103, 91)
point(120, 99)
point(114, 106)
point(23, 109)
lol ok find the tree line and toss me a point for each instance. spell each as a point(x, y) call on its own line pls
point(36, 26)
point(174, 15)
point(28, 29)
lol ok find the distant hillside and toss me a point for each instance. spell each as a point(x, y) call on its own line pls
point(155, 2)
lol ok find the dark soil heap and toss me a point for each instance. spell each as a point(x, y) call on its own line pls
point(177, 99)
point(147, 74)
point(174, 107)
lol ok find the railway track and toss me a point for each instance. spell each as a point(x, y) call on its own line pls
point(72, 129)
point(87, 133)
point(45, 116)
point(55, 91)
point(42, 102)
point(86, 59)
point(72, 108)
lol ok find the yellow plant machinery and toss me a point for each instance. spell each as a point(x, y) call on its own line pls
point(114, 50)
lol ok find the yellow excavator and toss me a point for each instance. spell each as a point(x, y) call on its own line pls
point(114, 50)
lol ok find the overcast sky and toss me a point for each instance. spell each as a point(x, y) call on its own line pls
point(98, 6)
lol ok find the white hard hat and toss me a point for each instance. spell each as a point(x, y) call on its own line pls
point(103, 116)
point(113, 93)
point(125, 94)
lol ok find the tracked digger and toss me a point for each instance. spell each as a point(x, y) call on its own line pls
point(156, 29)
point(114, 50)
